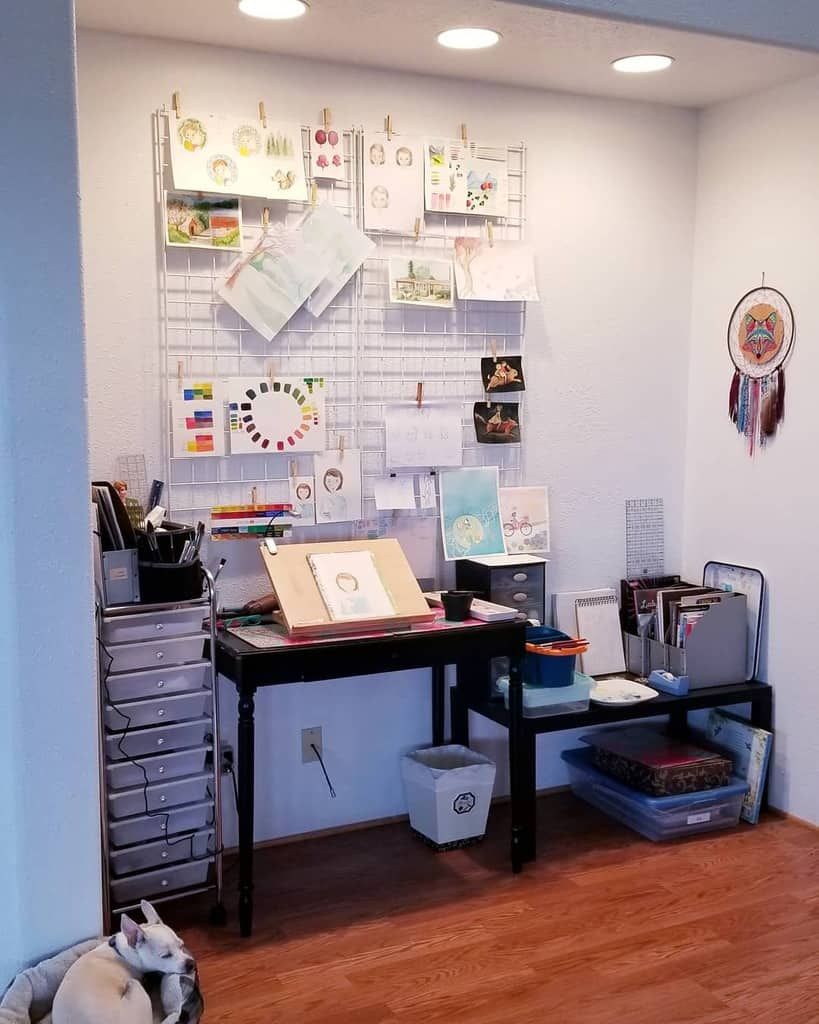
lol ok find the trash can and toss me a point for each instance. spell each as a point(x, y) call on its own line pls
point(448, 792)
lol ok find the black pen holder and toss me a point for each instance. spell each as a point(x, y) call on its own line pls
point(163, 582)
point(170, 541)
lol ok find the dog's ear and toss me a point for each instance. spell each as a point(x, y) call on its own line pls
point(151, 916)
point(131, 930)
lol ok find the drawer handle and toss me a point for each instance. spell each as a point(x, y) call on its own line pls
point(164, 855)
point(159, 627)
point(163, 799)
point(160, 684)
point(161, 713)
point(520, 596)
point(520, 577)
point(165, 883)
point(160, 742)
point(161, 769)
point(160, 655)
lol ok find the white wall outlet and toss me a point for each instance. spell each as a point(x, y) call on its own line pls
point(309, 738)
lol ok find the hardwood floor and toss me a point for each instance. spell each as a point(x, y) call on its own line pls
point(604, 928)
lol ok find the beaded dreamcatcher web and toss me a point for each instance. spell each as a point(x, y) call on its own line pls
point(760, 338)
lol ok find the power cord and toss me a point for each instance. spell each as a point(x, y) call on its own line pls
point(317, 752)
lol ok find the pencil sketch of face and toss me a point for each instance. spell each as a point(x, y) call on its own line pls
point(379, 198)
point(376, 154)
point(333, 480)
point(403, 156)
point(304, 492)
point(347, 582)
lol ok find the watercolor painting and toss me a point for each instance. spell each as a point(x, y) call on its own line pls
point(350, 585)
point(393, 174)
point(470, 513)
point(219, 153)
point(344, 248)
point(198, 419)
point(338, 486)
point(497, 271)
point(326, 153)
point(496, 423)
point(525, 515)
point(303, 500)
point(285, 415)
point(203, 222)
point(502, 374)
point(463, 177)
point(420, 281)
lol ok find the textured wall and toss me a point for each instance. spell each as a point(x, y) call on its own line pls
point(610, 210)
point(49, 809)
point(756, 216)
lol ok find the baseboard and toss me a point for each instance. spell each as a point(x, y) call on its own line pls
point(786, 816)
point(360, 826)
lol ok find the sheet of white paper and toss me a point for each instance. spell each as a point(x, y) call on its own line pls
point(338, 486)
point(350, 585)
point(525, 515)
point(282, 416)
point(237, 156)
point(429, 436)
point(418, 537)
point(326, 153)
point(393, 492)
point(393, 182)
point(466, 178)
point(497, 271)
point(345, 248)
point(427, 497)
point(198, 419)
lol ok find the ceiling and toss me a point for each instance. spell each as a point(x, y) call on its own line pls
point(540, 48)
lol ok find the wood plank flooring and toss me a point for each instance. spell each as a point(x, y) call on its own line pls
point(372, 927)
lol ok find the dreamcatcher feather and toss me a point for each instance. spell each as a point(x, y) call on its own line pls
point(760, 338)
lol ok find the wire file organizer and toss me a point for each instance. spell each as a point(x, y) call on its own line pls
point(369, 351)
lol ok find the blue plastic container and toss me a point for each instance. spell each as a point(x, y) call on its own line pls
point(544, 669)
point(656, 817)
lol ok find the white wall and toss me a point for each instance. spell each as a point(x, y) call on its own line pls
point(757, 210)
point(611, 191)
point(49, 808)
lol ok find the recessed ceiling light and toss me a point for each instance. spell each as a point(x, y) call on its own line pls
point(468, 38)
point(274, 10)
point(642, 63)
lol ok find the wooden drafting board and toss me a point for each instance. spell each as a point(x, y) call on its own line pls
point(303, 611)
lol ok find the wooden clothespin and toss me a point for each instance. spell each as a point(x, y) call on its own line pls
point(292, 469)
point(179, 375)
point(271, 372)
point(265, 218)
point(176, 103)
point(253, 495)
point(464, 136)
point(419, 394)
point(388, 127)
point(417, 228)
point(314, 194)
point(493, 348)
point(341, 446)
point(262, 114)
point(326, 117)
point(491, 233)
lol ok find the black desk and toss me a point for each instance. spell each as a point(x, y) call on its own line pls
point(470, 646)
point(471, 694)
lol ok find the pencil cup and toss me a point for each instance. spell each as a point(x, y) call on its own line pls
point(162, 582)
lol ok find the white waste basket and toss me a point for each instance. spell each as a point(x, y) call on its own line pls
point(448, 792)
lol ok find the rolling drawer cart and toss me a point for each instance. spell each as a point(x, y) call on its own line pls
point(160, 758)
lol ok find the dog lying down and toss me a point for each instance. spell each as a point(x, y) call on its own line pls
point(108, 984)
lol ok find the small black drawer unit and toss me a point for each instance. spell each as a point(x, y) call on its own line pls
point(517, 581)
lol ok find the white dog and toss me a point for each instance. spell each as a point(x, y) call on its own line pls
point(105, 985)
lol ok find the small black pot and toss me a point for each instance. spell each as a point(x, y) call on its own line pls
point(456, 604)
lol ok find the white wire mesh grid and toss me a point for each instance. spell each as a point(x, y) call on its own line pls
point(369, 351)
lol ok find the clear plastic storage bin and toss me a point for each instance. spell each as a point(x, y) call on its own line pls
point(658, 817)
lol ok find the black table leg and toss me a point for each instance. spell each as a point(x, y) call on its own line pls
point(438, 697)
point(246, 780)
point(678, 723)
point(459, 717)
point(521, 773)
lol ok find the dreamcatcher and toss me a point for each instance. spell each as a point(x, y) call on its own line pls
point(760, 338)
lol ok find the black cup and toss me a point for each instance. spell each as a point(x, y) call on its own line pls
point(456, 604)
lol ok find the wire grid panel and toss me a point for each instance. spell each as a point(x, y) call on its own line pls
point(204, 338)
point(401, 346)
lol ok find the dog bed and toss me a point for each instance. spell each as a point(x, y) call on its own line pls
point(29, 998)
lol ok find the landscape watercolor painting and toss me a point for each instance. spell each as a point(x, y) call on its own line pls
point(203, 221)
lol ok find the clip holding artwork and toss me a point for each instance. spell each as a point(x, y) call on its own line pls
point(760, 338)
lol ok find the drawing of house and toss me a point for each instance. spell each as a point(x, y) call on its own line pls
point(422, 289)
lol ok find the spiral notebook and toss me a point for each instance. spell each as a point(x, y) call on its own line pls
point(598, 620)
